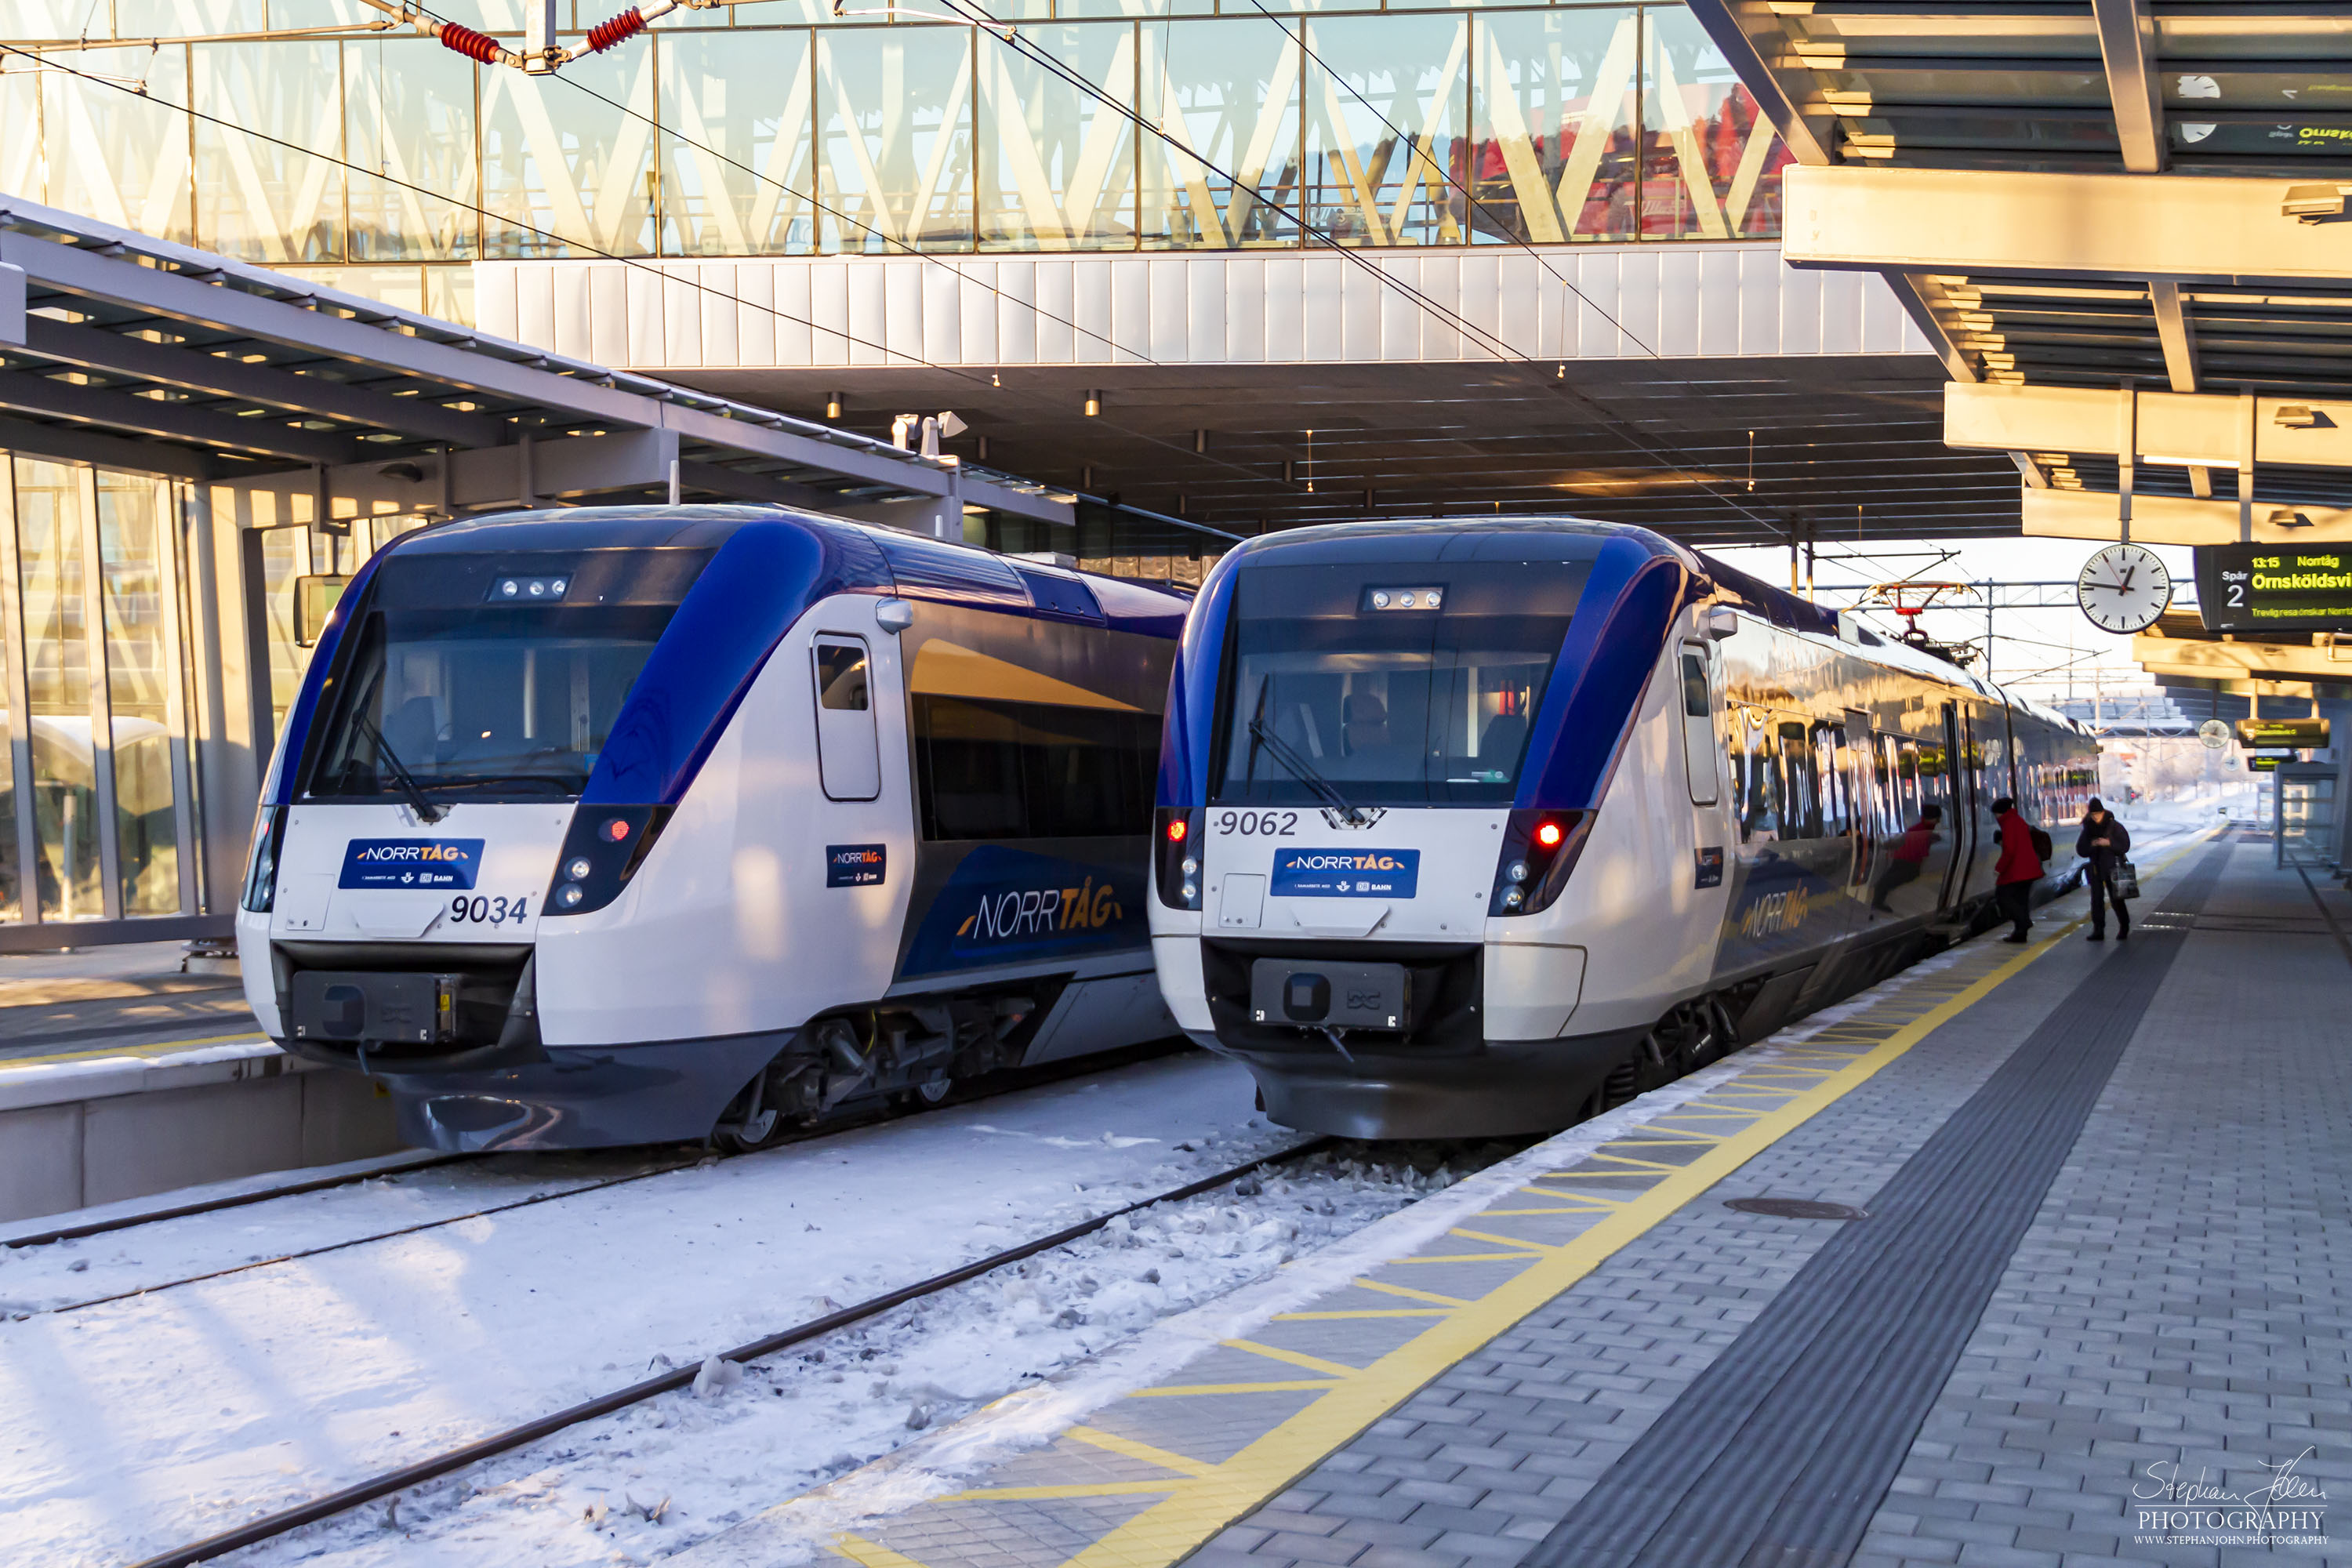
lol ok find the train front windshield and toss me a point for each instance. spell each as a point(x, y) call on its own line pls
point(500, 696)
point(1396, 685)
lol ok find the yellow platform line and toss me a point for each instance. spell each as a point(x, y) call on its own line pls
point(1470, 1258)
point(1128, 1447)
point(1408, 1293)
point(1048, 1494)
point(1187, 1389)
point(1295, 1358)
point(1499, 1214)
point(1602, 1154)
point(870, 1554)
point(1541, 1248)
point(1686, 1140)
point(1169, 1529)
point(1348, 1314)
point(1598, 1201)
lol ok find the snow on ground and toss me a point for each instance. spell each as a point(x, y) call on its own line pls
point(655, 1480)
point(142, 1424)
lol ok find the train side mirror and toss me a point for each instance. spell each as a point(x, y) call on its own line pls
point(1718, 622)
point(894, 615)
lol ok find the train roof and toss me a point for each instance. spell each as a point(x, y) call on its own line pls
point(910, 564)
point(1576, 538)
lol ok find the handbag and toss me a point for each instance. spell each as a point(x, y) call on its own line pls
point(2126, 880)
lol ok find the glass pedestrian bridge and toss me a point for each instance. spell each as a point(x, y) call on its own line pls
point(1099, 126)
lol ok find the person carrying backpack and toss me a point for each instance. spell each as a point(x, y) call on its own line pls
point(2024, 850)
point(2105, 843)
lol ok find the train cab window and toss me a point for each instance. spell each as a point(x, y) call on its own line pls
point(849, 756)
point(1393, 690)
point(841, 675)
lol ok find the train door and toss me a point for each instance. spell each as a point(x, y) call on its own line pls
point(849, 752)
point(1962, 808)
point(1857, 750)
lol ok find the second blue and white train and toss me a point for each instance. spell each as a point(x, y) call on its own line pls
point(1473, 827)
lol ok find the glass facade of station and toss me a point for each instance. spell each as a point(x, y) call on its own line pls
point(1157, 125)
point(98, 686)
point(95, 806)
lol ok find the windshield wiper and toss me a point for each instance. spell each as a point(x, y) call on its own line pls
point(425, 810)
point(1301, 769)
point(477, 781)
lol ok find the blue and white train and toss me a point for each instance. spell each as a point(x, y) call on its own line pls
point(616, 826)
point(1473, 827)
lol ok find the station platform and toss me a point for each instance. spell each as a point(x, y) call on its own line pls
point(2087, 1304)
point(123, 1075)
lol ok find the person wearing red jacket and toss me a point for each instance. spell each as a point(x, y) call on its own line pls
point(2017, 870)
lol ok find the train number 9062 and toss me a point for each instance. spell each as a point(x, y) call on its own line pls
point(1258, 824)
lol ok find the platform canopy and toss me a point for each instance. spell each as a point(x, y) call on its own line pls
point(133, 353)
point(2078, 197)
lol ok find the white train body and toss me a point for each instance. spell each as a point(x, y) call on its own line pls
point(798, 843)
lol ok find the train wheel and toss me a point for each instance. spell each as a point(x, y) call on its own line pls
point(755, 1132)
point(935, 1090)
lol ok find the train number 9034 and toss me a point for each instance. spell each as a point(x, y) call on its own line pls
point(480, 911)
point(1258, 824)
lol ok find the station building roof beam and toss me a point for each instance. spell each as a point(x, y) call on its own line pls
point(142, 354)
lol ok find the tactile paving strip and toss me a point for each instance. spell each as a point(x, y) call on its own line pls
point(1152, 1476)
point(1784, 1447)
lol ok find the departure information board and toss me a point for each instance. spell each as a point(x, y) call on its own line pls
point(2293, 734)
point(2274, 587)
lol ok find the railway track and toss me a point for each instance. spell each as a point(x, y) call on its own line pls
point(271, 1526)
point(996, 1084)
point(984, 1089)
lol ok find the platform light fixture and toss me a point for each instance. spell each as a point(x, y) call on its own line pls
point(1094, 405)
point(832, 406)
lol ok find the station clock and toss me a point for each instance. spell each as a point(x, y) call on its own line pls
point(2124, 588)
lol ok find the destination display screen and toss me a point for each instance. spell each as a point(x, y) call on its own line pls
point(2274, 587)
point(2289, 734)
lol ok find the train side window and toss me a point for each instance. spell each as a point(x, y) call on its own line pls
point(1801, 801)
point(849, 757)
point(1832, 766)
point(1699, 765)
point(1760, 799)
point(1028, 770)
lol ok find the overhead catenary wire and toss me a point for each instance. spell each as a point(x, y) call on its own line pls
point(1495, 346)
point(979, 19)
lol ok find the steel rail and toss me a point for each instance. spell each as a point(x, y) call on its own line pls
point(384, 1484)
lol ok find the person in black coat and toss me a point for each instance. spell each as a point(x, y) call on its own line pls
point(2105, 843)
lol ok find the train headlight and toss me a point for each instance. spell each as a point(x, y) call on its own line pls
point(1176, 866)
point(577, 868)
point(569, 895)
point(1539, 851)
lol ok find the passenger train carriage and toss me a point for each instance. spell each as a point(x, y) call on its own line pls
point(614, 826)
point(1473, 827)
